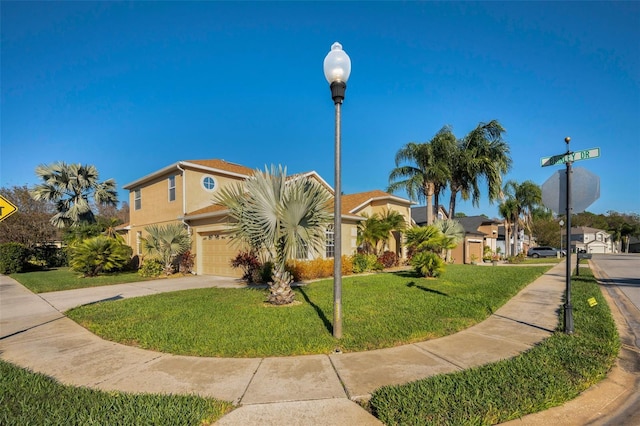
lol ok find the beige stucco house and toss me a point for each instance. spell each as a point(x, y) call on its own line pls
point(183, 192)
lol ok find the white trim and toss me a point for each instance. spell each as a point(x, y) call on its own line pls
point(215, 183)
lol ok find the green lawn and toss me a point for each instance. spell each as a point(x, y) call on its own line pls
point(380, 310)
point(65, 279)
point(28, 398)
point(551, 373)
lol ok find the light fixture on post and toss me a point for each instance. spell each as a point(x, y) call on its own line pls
point(337, 67)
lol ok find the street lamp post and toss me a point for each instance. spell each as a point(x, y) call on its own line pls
point(337, 67)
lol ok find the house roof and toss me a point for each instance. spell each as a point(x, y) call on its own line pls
point(582, 230)
point(214, 165)
point(352, 203)
point(419, 214)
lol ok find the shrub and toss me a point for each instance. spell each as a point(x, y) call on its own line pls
point(249, 263)
point(318, 268)
point(99, 254)
point(50, 256)
point(151, 268)
point(13, 257)
point(366, 263)
point(428, 264)
point(388, 259)
point(519, 258)
point(187, 260)
point(347, 265)
point(265, 273)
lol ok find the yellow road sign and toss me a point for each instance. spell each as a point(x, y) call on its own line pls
point(7, 208)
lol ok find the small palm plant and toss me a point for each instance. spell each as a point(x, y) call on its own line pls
point(424, 242)
point(99, 254)
point(166, 243)
point(278, 217)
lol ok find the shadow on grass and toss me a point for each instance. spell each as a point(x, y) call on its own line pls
point(319, 311)
point(427, 289)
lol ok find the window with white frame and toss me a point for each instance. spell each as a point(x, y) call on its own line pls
point(172, 188)
point(139, 242)
point(330, 243)
point(137, 199)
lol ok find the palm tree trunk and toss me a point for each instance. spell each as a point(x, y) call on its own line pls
point(515, 237)
point(507, 239)
point(452, 203)
point(429, 190)
point(280, 288)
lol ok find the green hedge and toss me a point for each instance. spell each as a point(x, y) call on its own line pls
point(13, 257)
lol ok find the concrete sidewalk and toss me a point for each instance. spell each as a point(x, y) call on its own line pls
point(299, 390)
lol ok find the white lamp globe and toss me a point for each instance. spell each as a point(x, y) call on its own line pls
point(337, 65)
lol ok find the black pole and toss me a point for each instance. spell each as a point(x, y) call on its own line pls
point(568, 308)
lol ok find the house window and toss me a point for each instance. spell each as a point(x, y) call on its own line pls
point(139, 242)
point(209, 183)
point(137, 199)
point(330, 246)
point(172, 188)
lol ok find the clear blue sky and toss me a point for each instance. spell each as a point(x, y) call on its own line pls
point(134, 87)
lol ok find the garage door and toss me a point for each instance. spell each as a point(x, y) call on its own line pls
point(217, 252)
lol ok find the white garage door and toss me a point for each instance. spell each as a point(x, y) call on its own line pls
point(217, 252)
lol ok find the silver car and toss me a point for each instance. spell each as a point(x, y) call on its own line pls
point(544, 251)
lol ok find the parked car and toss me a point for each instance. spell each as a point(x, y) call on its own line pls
point(544, 251)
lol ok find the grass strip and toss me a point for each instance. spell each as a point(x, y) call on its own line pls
point(65, 279)
point(28, 398)
point(380, 310)
point(551, 373)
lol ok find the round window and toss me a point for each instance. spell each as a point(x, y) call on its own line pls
point(208, 183)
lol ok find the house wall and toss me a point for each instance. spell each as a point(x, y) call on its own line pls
point(395, 242)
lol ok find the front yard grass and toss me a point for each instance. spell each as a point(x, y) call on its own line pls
point(65, 279)
point(380, 310)
point(28, 398)
point(551, 373)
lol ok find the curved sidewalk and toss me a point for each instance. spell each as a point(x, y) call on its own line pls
point(313, 389)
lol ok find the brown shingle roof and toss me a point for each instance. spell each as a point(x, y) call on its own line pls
point(223, 165)
point(352, 201)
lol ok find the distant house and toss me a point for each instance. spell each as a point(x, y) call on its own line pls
point(479, 231)
point(184, 192)
point(591, 240)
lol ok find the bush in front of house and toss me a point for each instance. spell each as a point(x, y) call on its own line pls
point(151, 268)
point(366, 263)
point(13, 257)
point(428, 264)
point(99, 254)
point(388, 259)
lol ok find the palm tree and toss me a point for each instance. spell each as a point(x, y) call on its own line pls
point(481, 154)
point(427, 172)
point(452, 233)
point(280, 217)
point(527, 196)
point(424, 238)
point(377, 228)
point(508, 209)
point(70, 187)
point(166, 243)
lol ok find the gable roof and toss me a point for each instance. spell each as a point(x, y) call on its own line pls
point(352, 203)
point(419, 214)
point(214, 165)
point(582, 230)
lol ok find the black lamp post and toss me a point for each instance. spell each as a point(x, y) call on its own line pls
point(337, 67)
point(568, 307)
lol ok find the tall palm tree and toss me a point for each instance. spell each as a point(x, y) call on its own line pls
point(508, 209)
point(166, 243)
point(482, 154)
point(427, 171)
point(70, 187)
point(280, 217)
point(526, 195)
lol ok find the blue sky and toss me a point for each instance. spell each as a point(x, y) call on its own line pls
point(133, 87)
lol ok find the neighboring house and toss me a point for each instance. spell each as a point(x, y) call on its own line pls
point(480, 231)
point(183, 192)
point(523, 243)
point(591, 240)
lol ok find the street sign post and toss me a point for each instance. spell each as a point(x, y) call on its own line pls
point(7, 208)
point(568, 158)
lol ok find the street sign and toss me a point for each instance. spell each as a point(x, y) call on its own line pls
point(585, 154)
point(585, 190)
point(7, 208)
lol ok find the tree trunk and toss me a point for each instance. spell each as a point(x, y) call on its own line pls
point(507, 239)
point(280, 289)
point(515, 237)
point(452, 203)
point(429, 190)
